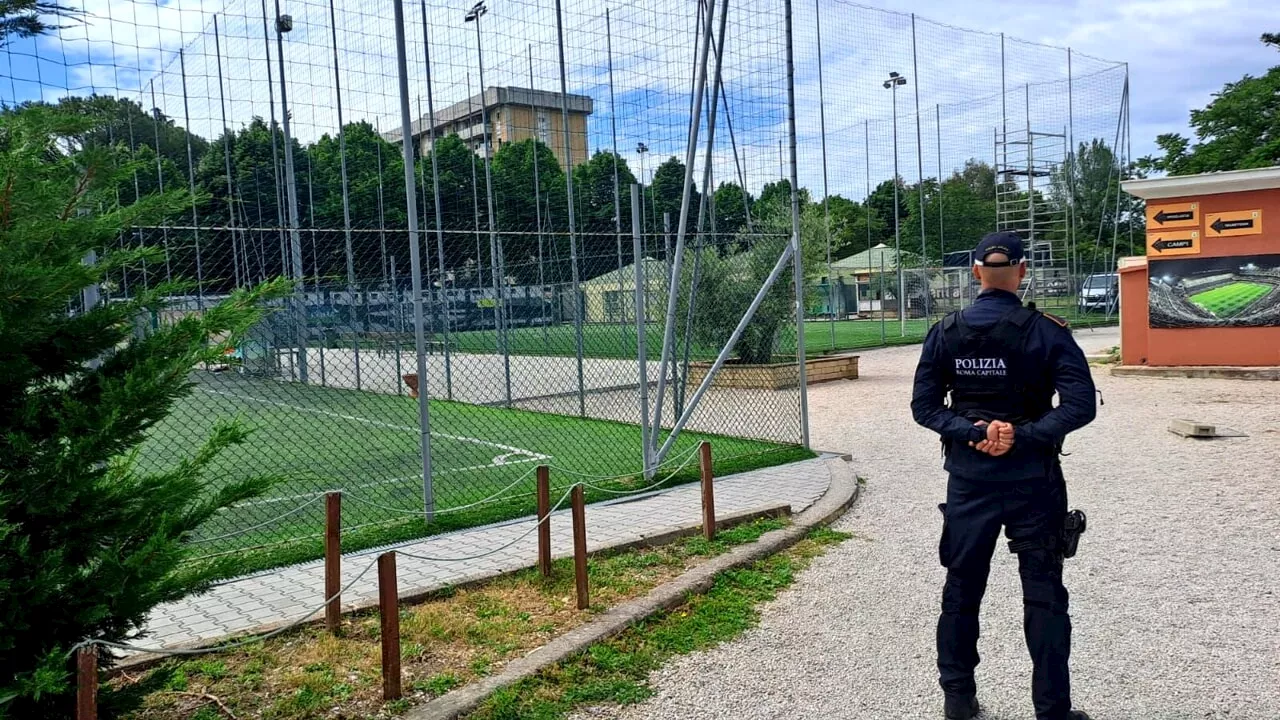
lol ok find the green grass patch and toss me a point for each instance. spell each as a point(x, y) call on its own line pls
point(1230, 299)
point(616, 671)
point(450, 639)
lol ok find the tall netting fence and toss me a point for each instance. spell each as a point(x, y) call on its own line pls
point(982, 132)
point(561, 322)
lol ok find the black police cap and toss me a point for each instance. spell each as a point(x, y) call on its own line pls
point(1005, 243)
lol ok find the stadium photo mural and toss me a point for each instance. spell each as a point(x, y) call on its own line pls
point(1240, 291)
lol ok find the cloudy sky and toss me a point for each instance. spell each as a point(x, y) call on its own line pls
point(1178, 51)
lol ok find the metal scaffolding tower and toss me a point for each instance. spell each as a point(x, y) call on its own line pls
point(1027, 164)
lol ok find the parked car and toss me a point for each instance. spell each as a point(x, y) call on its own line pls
point(1099, 293)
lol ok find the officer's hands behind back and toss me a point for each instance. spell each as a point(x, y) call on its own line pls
point(999, 438)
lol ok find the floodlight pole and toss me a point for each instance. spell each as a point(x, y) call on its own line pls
point(415, 262)
point(435, 191)
point(283, 25)
point(497, 273)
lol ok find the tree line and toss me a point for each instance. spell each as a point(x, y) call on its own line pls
point(238, 179)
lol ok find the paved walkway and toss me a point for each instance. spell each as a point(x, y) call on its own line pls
point(254, 602)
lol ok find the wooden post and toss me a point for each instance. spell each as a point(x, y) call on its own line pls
point(389, 608)
point(544, 528)
point(87, 683)
point(333, 561)
point(708, 492)
point(580, 547)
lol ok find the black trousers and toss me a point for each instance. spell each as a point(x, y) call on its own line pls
point(1032, 514)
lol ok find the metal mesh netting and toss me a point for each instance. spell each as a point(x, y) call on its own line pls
point(542, 285)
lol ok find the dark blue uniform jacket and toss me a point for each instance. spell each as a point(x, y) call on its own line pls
point(1036, 443)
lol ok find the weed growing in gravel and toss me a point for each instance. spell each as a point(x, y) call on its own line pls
point(616, 671)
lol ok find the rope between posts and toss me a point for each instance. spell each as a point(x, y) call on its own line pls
point(492, 498)
point(668, 461)
point(687, 458)
point(228, 646)
point(261, 525)
point(496, 550)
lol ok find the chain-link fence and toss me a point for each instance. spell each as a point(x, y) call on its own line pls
point(583, 253)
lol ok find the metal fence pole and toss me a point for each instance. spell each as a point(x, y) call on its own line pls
point(191, 178)
point(415, 262)
point(695, 119)
point(617, 196)
point(826, 188)
point(164, 226)
point(796, 256)
point(435, 192)
point(641, 314)
point(573, 227)
point(226, 147)
point(924, 253)
point(942, 246)
point(537, 209)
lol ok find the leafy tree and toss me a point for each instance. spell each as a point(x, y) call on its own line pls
point(1238, 129)
point(516, 196)
point(29, 18)
point(726, 288)
point(880, 202)
point(1090, 177)
point(88, 543)
point(732, 205)
point(594, 205)
point(665, 192)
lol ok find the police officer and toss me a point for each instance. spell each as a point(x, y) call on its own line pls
point(1001, 363)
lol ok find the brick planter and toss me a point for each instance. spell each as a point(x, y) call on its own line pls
point(776, 376)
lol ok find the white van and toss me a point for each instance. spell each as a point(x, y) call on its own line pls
point(1099, 293)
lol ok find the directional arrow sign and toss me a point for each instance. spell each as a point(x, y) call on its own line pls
point(1174, 242)
point(1231, 224)
point(1177, 215)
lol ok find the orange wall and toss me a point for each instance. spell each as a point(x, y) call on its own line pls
point(1142, 345)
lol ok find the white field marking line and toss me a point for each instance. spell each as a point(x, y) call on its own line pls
point(379, 483)
point(498, 460)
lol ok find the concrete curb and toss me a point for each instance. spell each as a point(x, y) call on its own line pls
point(1224, 372)
point(840, 495)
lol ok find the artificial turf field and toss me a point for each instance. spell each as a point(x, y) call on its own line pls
point(316, 439)
point(1228, 300)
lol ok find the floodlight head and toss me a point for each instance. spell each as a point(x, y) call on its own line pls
point(642, 148)
point(893, 75)
point(887, 84)
point(284, 23)
point(475, 12)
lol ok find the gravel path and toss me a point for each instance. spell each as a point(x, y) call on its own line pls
point(1175, 592)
